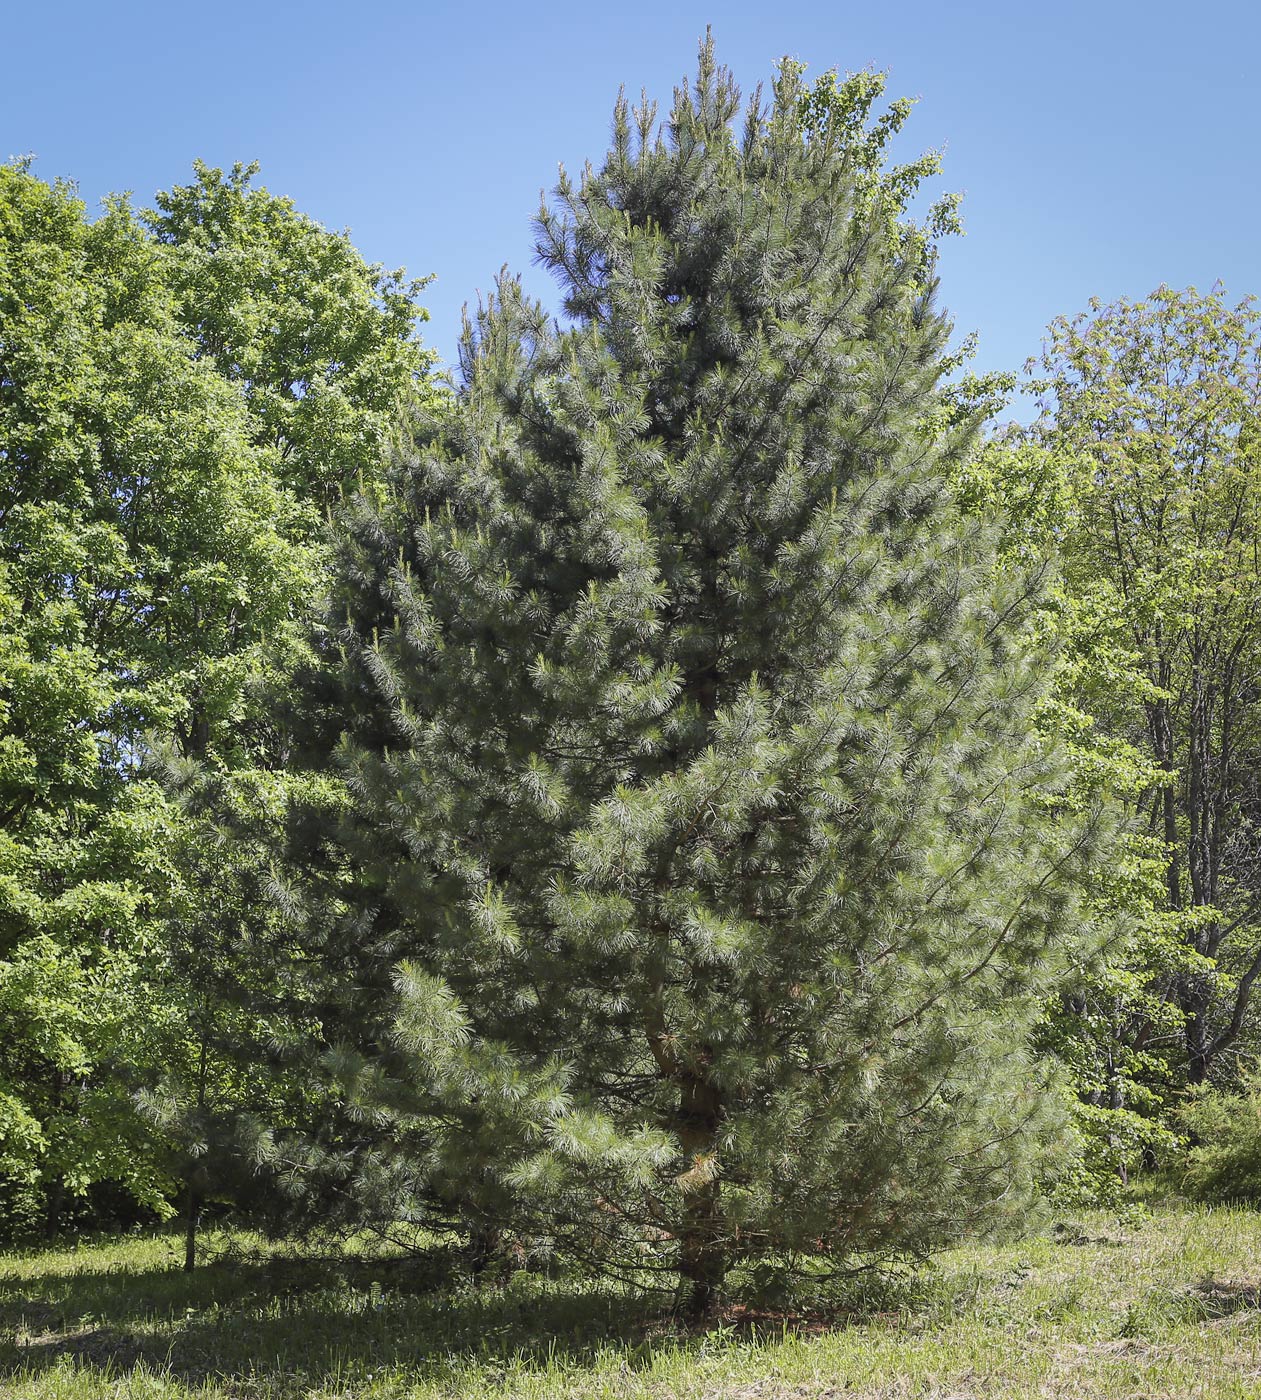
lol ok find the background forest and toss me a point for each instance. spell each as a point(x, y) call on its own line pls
point(695, 796)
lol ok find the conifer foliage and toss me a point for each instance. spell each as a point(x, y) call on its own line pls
point(695, 809)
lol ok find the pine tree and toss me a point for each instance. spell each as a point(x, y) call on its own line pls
point(694, 807)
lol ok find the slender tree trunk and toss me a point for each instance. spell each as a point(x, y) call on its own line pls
point(1191, 990)
point(1162, 742)
point(192, 1198)
point(1116, 1102)
point(57, 1187)
point(1199, 1053)
point(192, 1213)
point(1198, 779)
point(1196, 991)
point(52, 1208)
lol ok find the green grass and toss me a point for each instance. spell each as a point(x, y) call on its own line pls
point(1167, 1308)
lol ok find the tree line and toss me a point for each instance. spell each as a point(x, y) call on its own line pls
point(690, 794)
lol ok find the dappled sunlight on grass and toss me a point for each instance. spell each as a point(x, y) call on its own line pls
point(1165, 1308)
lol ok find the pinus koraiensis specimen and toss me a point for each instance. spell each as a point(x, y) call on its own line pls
point(687, 727)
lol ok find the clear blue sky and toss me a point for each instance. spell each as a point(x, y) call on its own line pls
point(1103, 147)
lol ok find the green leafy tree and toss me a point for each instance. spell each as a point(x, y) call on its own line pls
point(139, 558)
point(1225, 1125)
point(696, 810)
point(1150, 410)
point(161, 516)
point(1111, 1025)
point(321, 343)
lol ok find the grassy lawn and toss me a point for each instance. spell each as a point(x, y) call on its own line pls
point(1167, 1308)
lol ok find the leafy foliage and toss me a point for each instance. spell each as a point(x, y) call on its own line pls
point(155, 550)
point(1119, 1085)
point(1142, 473)
point(137, 527)
point(1151, 408)
point(321, 344)
point(1225, 1163)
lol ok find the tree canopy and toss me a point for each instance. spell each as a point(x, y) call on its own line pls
point(161, 532)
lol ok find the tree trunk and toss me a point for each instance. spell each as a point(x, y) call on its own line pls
point(1116, 1102)
point(57, 1187)
point(481, 1249)
point(1193, 994)
point(702, 1253)
point(52, 1208)
point(192, 1212)
point(1199, 1052)
point(192, 1199)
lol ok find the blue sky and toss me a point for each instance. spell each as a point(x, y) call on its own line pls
point(1103, 148)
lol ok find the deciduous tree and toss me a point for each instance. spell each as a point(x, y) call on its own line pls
point(1151, 408)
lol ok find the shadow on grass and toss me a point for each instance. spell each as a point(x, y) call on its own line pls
point(297, 1325)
